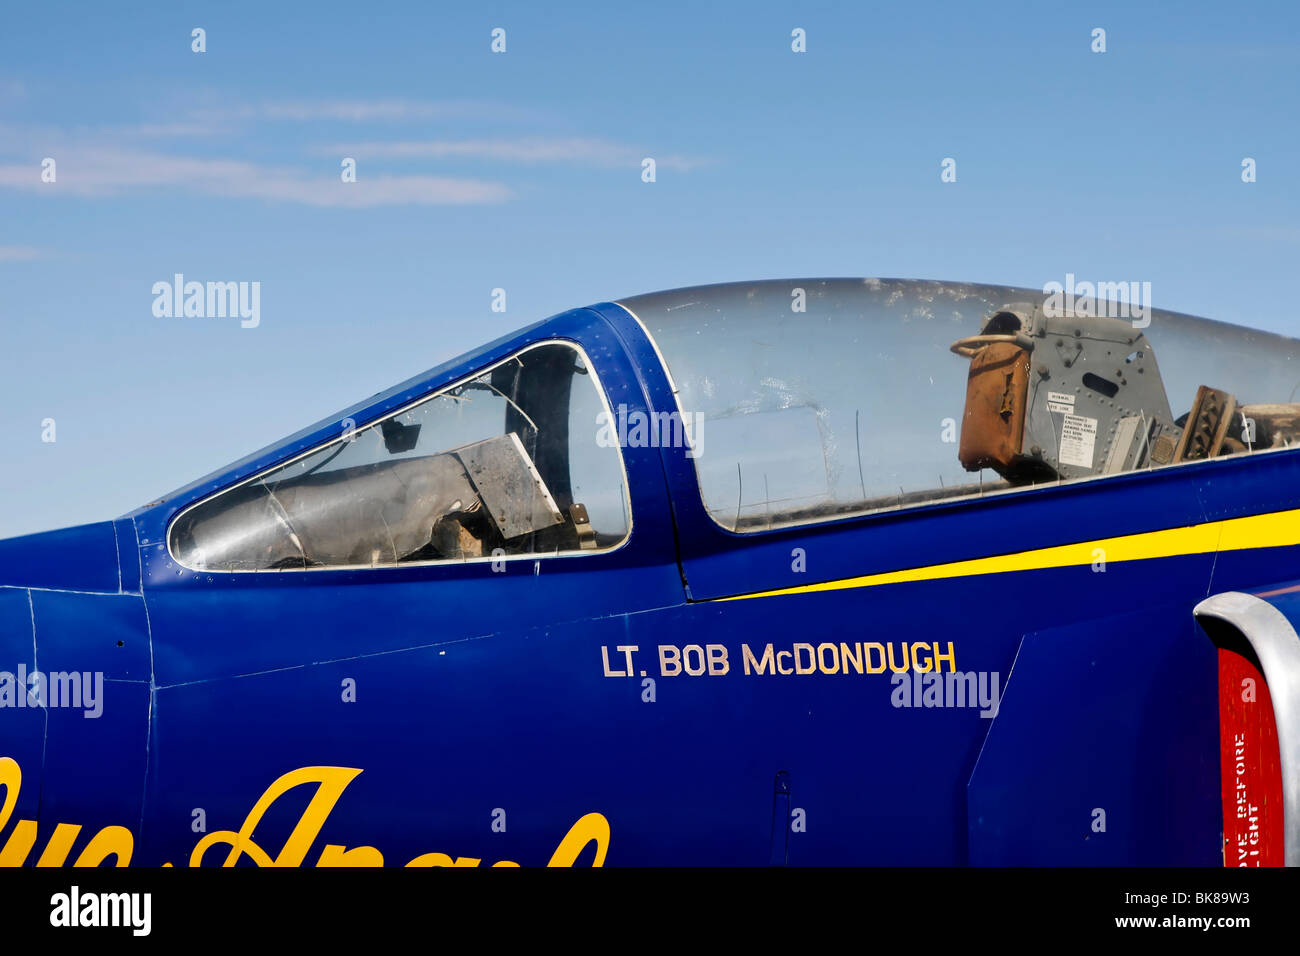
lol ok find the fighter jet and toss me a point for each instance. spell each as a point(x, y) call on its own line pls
point(816, 571)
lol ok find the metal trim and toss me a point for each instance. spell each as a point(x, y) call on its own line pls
point(1277, 646)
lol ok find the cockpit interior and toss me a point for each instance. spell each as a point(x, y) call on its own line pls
point(1072, 396)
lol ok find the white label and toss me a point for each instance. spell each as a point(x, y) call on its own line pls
point(1060, 402)
point(1078, 439)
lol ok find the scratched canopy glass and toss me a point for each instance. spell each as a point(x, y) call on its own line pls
point(815, 399)
point(503, 464)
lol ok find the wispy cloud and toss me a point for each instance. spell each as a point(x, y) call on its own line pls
point(18, 253)
point(103, 171)
point(355, 111)
point(585, 151)
point(170, 130)
point(142, 156)
point(359, 111)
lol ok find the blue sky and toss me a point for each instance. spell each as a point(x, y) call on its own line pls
point(522, 171)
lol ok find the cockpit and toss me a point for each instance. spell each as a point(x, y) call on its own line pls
point(829, 397)
point(808, 400)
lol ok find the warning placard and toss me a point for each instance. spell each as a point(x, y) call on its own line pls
point(1060, 402)
point(1078, 440)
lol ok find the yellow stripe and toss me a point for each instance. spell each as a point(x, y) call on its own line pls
point(1275, 530)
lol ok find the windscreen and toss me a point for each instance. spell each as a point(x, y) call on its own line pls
point(501, 464)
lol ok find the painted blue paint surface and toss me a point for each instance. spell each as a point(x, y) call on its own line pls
point(1094, 748)
point(23, 726)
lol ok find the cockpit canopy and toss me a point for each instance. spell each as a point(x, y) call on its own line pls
point(502, 464)
point(814, 399)
point(798, 402)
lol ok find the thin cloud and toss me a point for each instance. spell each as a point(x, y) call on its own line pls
point(143, 156)
point(170, 130)
point(188, 121)
point(18, 253)
point(18, 140)
point(585, 151)
point(355, 111)
point(111, 172)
